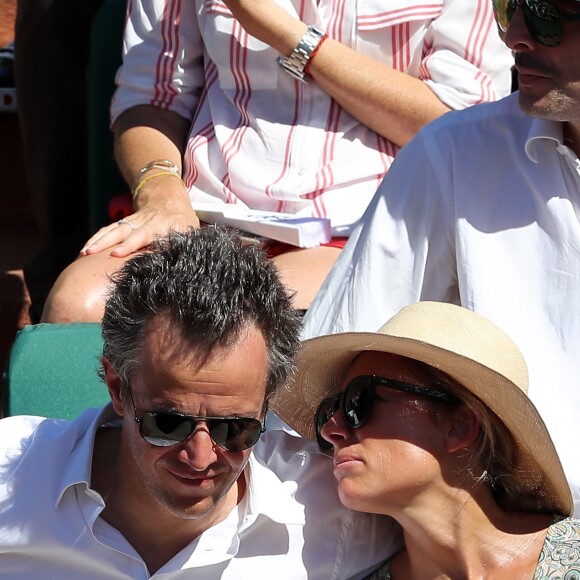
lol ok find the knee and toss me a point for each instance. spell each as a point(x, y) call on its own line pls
point(77, 296)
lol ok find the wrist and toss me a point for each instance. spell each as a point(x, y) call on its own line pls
point(298, 63)
point(164, 187)
point(150, 176)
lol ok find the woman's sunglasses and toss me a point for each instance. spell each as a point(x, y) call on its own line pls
point(357, 399)
point(165, 429)
point(543, 19)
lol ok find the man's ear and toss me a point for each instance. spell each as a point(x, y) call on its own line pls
point(462, 429)
point(114, 384)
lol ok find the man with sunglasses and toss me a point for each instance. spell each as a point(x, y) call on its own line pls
point(482, 209)
point(176, 477)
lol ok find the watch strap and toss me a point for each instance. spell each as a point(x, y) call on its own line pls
point(295, 65)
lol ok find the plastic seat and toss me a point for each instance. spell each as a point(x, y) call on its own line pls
point(52, 371)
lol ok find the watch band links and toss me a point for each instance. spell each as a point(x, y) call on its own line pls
point(295, 65)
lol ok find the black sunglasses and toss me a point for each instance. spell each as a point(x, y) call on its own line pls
point(165, 429)
point(356, 402)
point(543, 19)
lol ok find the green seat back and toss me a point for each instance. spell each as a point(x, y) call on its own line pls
point(52, 371)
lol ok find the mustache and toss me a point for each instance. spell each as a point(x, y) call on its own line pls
point(530, 61)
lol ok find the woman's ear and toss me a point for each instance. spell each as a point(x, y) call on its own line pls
point(114, 384)
point(462, 429)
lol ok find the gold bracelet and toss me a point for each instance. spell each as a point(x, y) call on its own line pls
point(135, 191)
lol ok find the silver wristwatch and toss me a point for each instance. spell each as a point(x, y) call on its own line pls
point(295, 64)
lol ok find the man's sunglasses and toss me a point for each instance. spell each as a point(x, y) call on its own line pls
point(357, 399)
point(543, 19)
point(165, 429)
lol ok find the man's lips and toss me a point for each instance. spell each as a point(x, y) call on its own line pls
point(530, 71)
point(528, 77)
point(193, 478)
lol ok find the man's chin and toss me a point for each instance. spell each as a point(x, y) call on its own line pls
point(548, 106)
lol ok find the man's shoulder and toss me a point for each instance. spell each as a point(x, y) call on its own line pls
point(34, 441)
point(485, 119)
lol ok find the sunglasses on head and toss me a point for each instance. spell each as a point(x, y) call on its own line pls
point(357, 399)
point(165, 429)
point(543, 19)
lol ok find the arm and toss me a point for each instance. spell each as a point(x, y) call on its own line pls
point(392, 103)
point(151, 112)
point(142, 134)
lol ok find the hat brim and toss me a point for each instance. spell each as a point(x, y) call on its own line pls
point(323, 362)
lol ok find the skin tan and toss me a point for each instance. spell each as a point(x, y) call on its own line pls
point(409, 461)
point(392, 103)
point(176, 493)
point(549, 77)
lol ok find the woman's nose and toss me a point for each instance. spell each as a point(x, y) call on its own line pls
point(335, 428)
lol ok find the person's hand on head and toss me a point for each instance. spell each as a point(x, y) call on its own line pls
point(156, 215)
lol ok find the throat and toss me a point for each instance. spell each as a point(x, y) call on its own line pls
point(572, 137)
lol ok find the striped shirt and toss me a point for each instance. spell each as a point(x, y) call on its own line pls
point(264, 140)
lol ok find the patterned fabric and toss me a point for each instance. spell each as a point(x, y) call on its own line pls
point(559, 560)
point(560, 557)
point(383, 573)
point(264, 141)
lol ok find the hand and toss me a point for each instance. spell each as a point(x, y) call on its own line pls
point(159, 212)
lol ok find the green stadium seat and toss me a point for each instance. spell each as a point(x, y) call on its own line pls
point(52, 371)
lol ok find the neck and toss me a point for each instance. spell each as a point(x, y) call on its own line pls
point(572, 137)
point(469, 538)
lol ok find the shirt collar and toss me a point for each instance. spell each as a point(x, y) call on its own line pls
point(541, 132)
point(267, 495)
point(78, 466)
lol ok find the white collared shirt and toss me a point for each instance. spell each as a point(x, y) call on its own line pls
point(290, 524)
point(481, 209)
point(263, 140)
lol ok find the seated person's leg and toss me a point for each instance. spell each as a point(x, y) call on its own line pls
point(79, 293)
point(304, 271)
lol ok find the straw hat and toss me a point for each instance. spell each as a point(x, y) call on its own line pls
point(461, 343)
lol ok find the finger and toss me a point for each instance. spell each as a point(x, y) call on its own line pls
point(138, 240)
point(98, 235)
point(109, 236)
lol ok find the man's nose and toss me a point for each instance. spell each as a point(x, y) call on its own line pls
point(517, 36)
point(199, 450)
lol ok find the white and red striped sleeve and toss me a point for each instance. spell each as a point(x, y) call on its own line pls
point(162, 58)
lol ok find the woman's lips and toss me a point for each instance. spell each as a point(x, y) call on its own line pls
point(345, 460)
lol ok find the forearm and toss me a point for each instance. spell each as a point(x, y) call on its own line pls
point(392, 103)
point(144, 134)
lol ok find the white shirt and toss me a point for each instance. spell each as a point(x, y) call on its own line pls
point(481, 209)
point(289, 526)
point(261, 139)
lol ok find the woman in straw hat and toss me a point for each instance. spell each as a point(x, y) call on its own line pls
point(430, 423)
